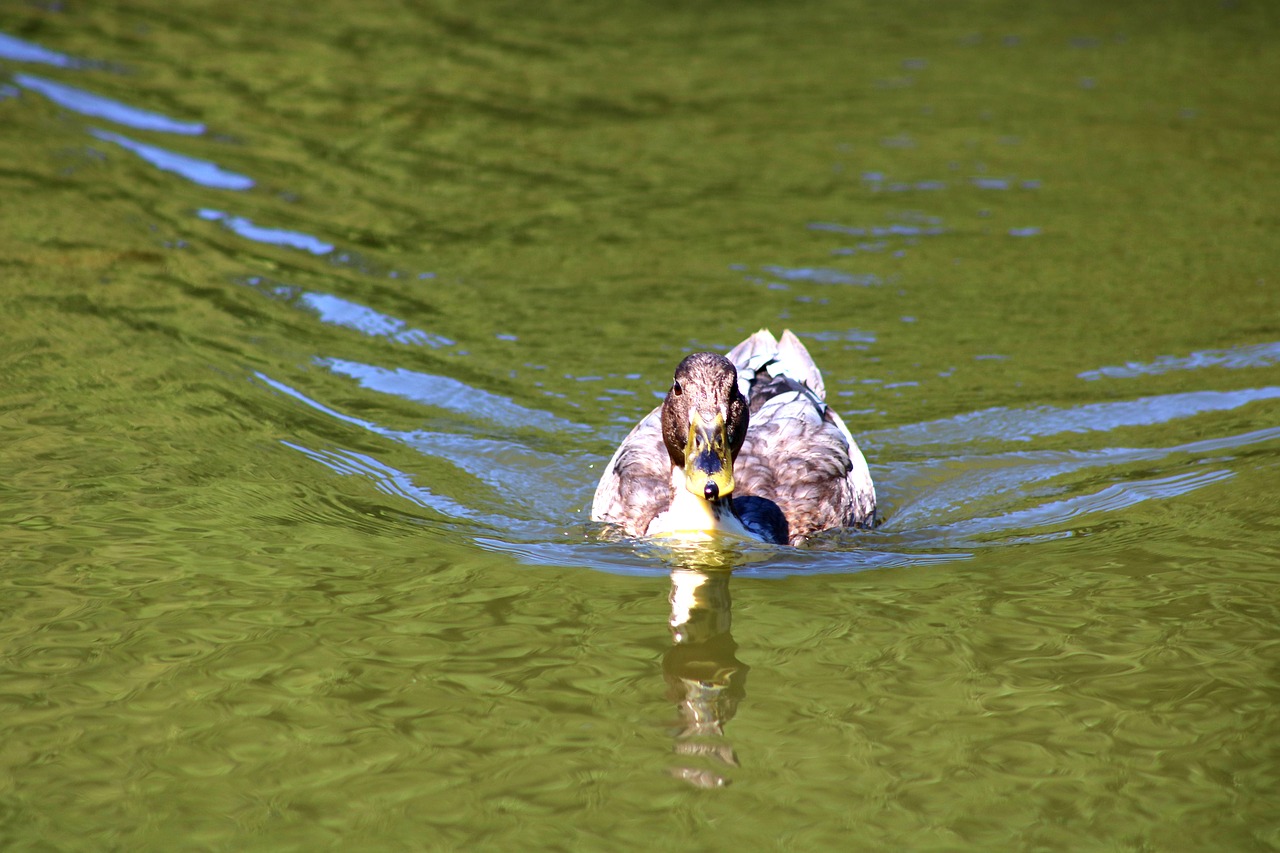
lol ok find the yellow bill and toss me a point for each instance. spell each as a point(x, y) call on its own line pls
point(708, 465)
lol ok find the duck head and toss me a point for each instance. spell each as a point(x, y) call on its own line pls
point(704, 422)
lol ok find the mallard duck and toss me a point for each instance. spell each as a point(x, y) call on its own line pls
point(743, 445)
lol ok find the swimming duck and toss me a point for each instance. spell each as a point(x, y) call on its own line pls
point(743, 445)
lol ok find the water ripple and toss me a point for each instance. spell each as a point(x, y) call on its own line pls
point(273, 236)
point(197, 171)
point(526, 489)
point(97, 106)
point(17, 50)
point(1258, 355)
point(1113, 498)
point(971, 485)
point(821, 276)
point(447, 393)
point(1007, 424)
point(896, 230)
point(955, 504)
point(352, 315)
point(386, 479)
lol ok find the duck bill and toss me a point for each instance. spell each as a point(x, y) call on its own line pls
point(708, 465)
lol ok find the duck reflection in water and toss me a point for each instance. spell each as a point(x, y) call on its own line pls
point(705, 679)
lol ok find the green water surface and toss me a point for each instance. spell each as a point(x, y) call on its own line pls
point(317, 321)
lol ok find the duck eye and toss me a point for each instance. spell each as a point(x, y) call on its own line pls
point(676, 389)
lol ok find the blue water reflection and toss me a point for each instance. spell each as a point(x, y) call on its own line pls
point(895, 230)
point(97, 106)
point(351, 315)
point(200, 172)
point(819, 275)
point(274, 236)
point(386, 479)
point(17, 50)
point(1006, 424)
point(494, 411)
point(1258, 355)
point(1042, 519)
point(964, 493)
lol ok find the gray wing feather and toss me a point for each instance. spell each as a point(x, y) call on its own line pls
point(755, 352)
point(798, 452)
point(795, 362)
point(636, 485)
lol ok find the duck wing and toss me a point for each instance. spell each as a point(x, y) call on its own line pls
point(636, 484)
point(798, 453)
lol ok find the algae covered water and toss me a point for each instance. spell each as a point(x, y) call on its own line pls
point(317, 322)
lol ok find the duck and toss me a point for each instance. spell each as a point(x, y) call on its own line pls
point(743, 445)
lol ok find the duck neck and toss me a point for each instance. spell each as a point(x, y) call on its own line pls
point(687, 504)
point(693, 516)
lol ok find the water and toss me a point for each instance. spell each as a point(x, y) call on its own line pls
point(318, 324)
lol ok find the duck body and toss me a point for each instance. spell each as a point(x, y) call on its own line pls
point(743, 445)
